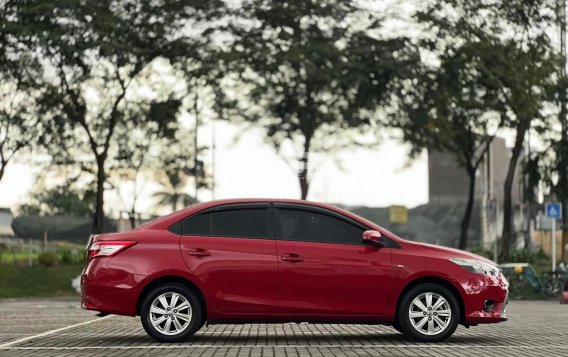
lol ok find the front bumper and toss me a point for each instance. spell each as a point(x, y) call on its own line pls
point(485, 298)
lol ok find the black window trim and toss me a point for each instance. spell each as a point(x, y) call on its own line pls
point(273, 222)
point(231, 207)
point(324, 211)
point(389, 243)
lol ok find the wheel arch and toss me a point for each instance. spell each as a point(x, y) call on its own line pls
point(433, 280)
point(172, 279)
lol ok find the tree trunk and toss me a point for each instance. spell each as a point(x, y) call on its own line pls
point(304, 185)
point(132, 219)
point(508, 229)
point(468, 209)
point(99, 205)
point(2, 168)
point(175, 199)
point(303, 174)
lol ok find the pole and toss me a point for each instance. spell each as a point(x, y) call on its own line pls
point(213, 139)
point(562, 161)
point(553, 240)
point(483, 211)
point(196, 162)
point(496, 250)
point(30, 253)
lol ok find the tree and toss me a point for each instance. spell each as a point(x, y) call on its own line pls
point(19, 125)
point(524, 65)
point(63, 199)
point(149, 128)
point(174, 183)
point(456, 108)
point(312, 74)
point(96, 50)
point(173, 169)
point(528, 87)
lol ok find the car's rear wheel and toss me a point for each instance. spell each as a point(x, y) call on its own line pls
point(429, 313)
point(396, 326)
point(171, 313)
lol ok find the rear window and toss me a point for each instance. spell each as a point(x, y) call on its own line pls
point(239, 223)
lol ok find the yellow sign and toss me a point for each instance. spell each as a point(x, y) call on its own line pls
point(398, 214)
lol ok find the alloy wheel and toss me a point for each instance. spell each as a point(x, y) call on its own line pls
point(170, 313)
point(430, 313)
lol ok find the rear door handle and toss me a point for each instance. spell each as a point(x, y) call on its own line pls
point(199, 252)
point(291, 258)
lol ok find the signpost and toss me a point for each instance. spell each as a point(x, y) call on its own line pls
point(398, 214)
point(554, 212)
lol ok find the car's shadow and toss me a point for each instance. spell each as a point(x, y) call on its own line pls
point(297, 340)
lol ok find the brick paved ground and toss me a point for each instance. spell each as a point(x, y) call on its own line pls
point(27, 328)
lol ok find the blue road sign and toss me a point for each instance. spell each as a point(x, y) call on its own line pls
point(553, 210)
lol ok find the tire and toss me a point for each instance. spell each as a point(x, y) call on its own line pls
point(396, 326)
point(429, 323)
point(172, 325)
point(203, 322)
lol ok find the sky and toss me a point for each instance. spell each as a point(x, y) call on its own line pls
point(376, 177)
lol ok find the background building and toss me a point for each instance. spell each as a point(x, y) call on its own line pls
point(6, 232)
point(448, 182)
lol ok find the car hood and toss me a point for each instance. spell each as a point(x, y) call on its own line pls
point(456, 253)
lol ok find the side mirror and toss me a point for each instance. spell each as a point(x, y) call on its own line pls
point(373, 238)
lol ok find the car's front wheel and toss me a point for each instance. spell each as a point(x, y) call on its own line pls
point(171, 313)
point(429, 313)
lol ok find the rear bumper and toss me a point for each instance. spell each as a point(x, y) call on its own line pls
point(485, 298)
point(109, 291)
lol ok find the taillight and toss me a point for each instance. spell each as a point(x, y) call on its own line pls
point(107, 248)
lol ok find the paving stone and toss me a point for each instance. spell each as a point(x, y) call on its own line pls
point(535, 328)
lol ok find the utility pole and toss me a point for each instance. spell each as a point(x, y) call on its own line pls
point(196, 161)
point(563, 174)
point(484, 201)
point(213, 140)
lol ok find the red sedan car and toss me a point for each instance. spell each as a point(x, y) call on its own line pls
point(237, 261)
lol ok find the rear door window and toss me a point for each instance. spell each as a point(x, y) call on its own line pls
point(251, 222)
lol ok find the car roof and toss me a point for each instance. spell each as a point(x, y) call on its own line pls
point(165, 221)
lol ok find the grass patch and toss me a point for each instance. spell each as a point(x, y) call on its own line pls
point(38, 281)
point(19, 258)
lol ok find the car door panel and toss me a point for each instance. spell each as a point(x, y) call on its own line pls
point(334, 279)
point(240, 274)
point(331, 279)
point(232, 251)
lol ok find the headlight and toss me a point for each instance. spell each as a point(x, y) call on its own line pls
point(476, 266)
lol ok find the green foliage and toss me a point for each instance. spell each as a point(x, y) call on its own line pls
point(93, 53)
point(20, 258)
point(173, 196)
point(36, 281)
point(19, 111)
point(29, 209)
point(48, 259)
point(479, 250)
point(526, 255)
point(70, 257)
point(60, 200)
point(498, 67)
point(60, 257)
point(537, 258)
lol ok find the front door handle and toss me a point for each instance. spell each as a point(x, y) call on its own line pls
point(199, 252)
point(291, 258)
